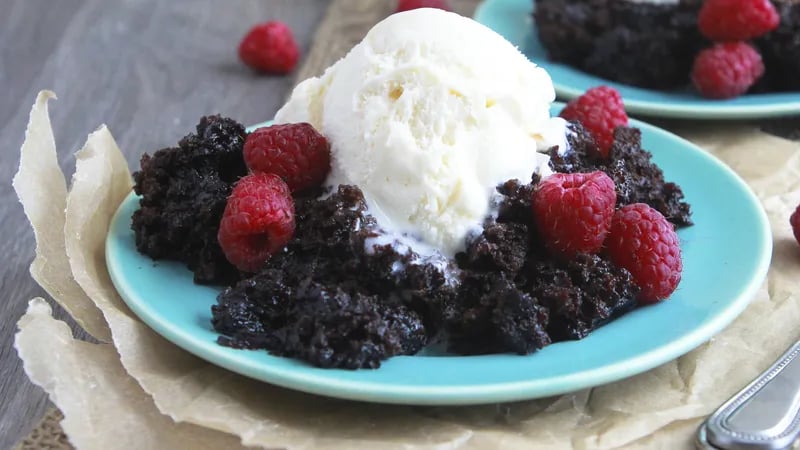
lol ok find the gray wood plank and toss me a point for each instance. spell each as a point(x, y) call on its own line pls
point(148, 69)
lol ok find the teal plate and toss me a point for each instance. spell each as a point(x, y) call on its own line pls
point(726, 255)
point(512, 19)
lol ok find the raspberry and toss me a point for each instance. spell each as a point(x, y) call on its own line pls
point(295, 152)
point(643, 242)
point(573, 211)
point(794, 221)
point(258, 221)
point(726, 70)
point(269, 47)
point(600, 110)
point(406, 5)
point(737, 20)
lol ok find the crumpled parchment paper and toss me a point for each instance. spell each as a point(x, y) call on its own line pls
point(106, 402)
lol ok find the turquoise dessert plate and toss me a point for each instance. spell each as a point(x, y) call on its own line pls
point(726, 256)
point(512, 19)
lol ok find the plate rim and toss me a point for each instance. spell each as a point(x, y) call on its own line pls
point(703, 109)
point(322, 383)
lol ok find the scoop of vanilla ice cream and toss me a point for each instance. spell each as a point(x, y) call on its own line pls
point(427, 115)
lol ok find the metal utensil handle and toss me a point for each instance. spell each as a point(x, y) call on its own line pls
point(763, 415)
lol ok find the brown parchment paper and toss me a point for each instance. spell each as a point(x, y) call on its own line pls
point(42, 190)
point(103, 407)
point(657, 409)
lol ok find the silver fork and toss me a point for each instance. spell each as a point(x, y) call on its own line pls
point(763, 415)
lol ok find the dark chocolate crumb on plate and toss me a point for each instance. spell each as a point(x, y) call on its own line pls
point(641, 44)
point(183, 192)
point(329, 300)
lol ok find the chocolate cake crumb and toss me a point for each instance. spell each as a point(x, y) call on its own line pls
point(646, 45)
point(515, 206)
point(183, 193)
point(331, 299)
point(568, 29)
point(336, 329)
point(491, 315)
point(500, 247)
point(581, 294)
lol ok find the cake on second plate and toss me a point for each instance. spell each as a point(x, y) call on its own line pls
point(653, 43)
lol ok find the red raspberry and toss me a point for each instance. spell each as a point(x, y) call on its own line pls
point(643, 242)
point(270, 47)
point(258, 221)
point(737, 20)
point(600, 110)
point(794, 221)
point(726, 70)
point(573, 211)
point(405, 5)
point(296, 152)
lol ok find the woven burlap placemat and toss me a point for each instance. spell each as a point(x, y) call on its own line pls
point(47, 434)
point(345, 23)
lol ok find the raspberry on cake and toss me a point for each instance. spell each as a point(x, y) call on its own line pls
point(258, 221)
point(573, 211)
point(727, 69)
point(295, 152)
point(600, 110)
point(737, 20)
point(643, 242)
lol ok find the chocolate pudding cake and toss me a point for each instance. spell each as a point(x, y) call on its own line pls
point(652, 44)
point(344, 294)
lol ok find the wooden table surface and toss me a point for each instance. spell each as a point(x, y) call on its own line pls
point(148, 69)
